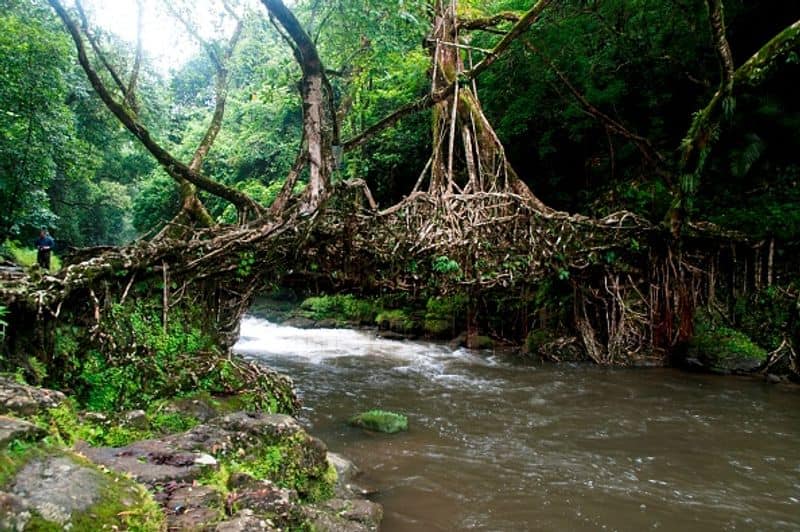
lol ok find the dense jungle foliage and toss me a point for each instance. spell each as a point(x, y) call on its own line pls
point(66, 163)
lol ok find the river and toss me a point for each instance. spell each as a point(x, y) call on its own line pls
point(497, 444)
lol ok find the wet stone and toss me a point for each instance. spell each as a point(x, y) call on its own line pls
point(17, 429)
point(14, 512)
point(152, 462)
point(245, 521)
point(190, 507)
point(24, 400)
point(57, 487)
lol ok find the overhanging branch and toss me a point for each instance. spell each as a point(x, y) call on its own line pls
point(429, 100)
point(171, 165)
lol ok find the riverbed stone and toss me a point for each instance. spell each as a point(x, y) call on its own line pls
point(23, 400)
point(341, 515)
point(57, 487)
point(268, 500)
point(152, 462)
point(199, 408)
point(17, 429)
point(347, 486)
point(14, 512)
point(246, 521)
point(62, 490)
point(299, 322)
point(191, 507)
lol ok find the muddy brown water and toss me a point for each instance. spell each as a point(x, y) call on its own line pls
point(496, 444)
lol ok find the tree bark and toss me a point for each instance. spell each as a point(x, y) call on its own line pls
point(703, 131)
point(319, 116)
point(192, 208)
point(431, 99)
point(459, 115)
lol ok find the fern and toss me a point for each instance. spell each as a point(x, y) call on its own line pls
point(743, 160)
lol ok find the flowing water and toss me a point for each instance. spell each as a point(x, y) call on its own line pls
point(499, 445)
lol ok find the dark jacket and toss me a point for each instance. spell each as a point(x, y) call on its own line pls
point(45, 242)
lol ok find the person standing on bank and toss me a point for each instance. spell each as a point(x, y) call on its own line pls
point(44, 244)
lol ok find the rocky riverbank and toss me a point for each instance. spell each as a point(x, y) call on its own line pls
point(232, 470)
point(714, 348)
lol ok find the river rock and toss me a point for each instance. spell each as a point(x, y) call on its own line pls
point(60, 490)
point(182, 457)
point(153, 462)
point(136, 419)
point(198, 408)
point(346, 472)
point(14, 512)
point(24, 400)
point(299, 322)
point(266, 499)
point(57, 487)
point(17, 429)
point(245, 521)
point(191, 507)
point(339, 515)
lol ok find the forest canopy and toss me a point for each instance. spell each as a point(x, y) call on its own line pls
point(592, 103)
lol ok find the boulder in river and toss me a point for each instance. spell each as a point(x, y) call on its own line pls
point(380, 421)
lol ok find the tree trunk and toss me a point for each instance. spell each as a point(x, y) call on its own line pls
point(319, 116)
point(696, 146)
point(478, 162)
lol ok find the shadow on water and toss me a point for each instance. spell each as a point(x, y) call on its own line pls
point(495, 445)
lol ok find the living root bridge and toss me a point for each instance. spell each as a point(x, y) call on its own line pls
point(633, 297)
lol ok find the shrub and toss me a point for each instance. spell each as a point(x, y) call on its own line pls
point(340, 307)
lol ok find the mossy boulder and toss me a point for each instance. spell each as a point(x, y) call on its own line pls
point(339, 308)
point(444, 316)
point(58, 490)
point(397, 320)
point(380, 421)
point(721, 349)
point(480, 342)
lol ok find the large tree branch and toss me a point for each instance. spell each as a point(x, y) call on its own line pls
point(171, 165)
point(130, 94)
point(211, 51)
point(716, 18)
point(431, 99)
point(98, 51)
point(696, 146)
point(320, 129)
point(487, 22)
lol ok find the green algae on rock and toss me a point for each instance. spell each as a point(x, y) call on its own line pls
point(380, 421)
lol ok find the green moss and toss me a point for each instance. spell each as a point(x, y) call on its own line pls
point(537, 338)
point(171, 422)
point(66, 427)
point(323, 489)
point(722, 348)
point(340, 307)
point(445, 315)
point(380, 421)
point(124, 505)
point(14, 457)
point(37, 523)
point(396, 320)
